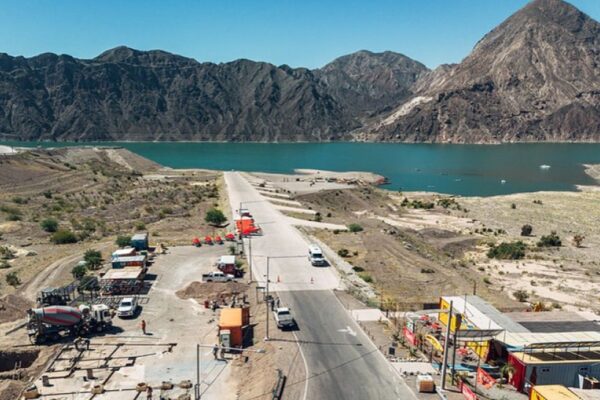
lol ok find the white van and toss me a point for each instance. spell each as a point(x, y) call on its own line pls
point(315, 256)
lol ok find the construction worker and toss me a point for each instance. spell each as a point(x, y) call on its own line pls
point(87, 344)
point(222, 352)
point(215, 350)
point(149, 393)
point(143, 326)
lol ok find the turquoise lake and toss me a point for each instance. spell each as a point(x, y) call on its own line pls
point(469, 170)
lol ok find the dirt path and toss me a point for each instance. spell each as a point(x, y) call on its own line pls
point(52, 272)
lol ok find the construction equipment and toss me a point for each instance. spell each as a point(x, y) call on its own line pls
point(196, 242)
point(230, 237)
point(218, 240)
point(54, 297)
point(51, 323)
point(246, 227)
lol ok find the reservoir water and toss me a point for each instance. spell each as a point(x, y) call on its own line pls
point(469, 170)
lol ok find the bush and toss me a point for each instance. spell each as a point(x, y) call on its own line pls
point(123, 241)
point(13, 217)
point(92, 258)
point(79, 271)
point(577, 240)
point(487, 281)
point(513, 206)
point(526, 230)
point(4, 264)
point(13, 279)
point(551, 240)
point(427, 271)
point(6, 253)
point(19, 200)
point(358, 269)
point(343, 252)
point(140, 226)
point(63, 236)
point(355, 228)
point(508, 251)
point(49, 225)
point(521, 295)
point(366, 277)
point(214, 216)
point(318, 217)
point(47, 194)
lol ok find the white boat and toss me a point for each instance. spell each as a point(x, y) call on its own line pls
point(503, 181)
point(544, 166)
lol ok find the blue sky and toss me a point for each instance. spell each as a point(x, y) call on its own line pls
point(306, 33)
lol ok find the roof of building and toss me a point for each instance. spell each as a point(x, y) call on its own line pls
point(140, 236)
point(555, 392)
point(554, 321)
point(565, 357)
point(129, 258)
point(520, 341)
point(128, 273)
point(230, 317)
point(227, 260)
point(482, 315)
point(586, 394)
point(123, 252)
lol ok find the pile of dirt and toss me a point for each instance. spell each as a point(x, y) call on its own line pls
point(211, 290)
point(13, 307)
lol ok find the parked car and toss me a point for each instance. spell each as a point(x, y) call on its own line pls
point(127, 307)
point(217, 276)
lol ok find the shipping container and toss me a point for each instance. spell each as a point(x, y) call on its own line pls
point(140, 241)
point(552, 392)
point(133, 261)
point(234, 320)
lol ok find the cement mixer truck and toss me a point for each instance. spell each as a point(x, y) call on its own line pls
point(51, 323)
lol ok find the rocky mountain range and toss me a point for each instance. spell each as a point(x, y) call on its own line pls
point(534, 77)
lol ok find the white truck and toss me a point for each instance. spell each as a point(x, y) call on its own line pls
point(315, 256)
point(284, 318)
point(217, 276)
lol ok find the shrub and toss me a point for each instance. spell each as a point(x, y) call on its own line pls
point(366, 277)
point(487, 281)
point(12, 278)
point(92, 258)
point(4, 264)
point(231, 249)
point(123, 241)
point(6, 253)
point(427, 271)
point(214, 216)
point(507, 251)
point(343, 252)
point(577, 240)
point(513, 206)
point(49, 225)
point(521, 295)
point(551, 240)
point(63, 236)
point(526, 230)
point(140, 226)
point(19, 200)
point(358, 269)
point(79, 271)
point(47, 194)
point(355, 228)
point(318, 217)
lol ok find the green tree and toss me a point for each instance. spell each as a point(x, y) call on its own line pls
point(63, 236)
point(12, 278)
point(214, 216)
point(79, 271)
point(123, 241)
point(507, 251)
point(49, 225)
point(526, 230)
point(521, 295)
point(355, 228)
point(92, 258)
point(551, 240)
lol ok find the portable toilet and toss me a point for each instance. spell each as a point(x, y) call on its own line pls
point(140, 241)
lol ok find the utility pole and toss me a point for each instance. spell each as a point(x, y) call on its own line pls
point(446, 342)
point(267, 302)
point(198, 372)
point(250, 256)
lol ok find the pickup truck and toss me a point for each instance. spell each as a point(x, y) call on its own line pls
point(217, 276)
point(283, 317)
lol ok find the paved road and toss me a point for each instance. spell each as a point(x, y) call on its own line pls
point(342, 362)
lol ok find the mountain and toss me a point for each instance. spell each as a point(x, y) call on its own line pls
point(534, 77)
point(125, 94)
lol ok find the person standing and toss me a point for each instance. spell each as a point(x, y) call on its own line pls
point(143, 326)
point(215, 350)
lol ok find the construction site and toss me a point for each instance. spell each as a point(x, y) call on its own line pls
point(262, 286)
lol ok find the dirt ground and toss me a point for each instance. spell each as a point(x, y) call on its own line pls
point(96, 193)
point(212, 290)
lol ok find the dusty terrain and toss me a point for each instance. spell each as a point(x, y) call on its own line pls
point(97, 194)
